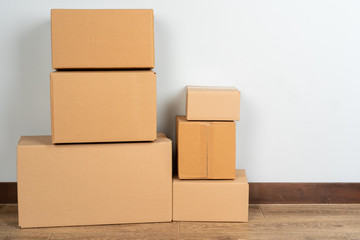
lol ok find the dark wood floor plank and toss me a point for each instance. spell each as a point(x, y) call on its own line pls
point(202, 236)
point(214, 228)
point(9, 216)
point(310, 210)
point(119, 236)
point(255, 212)
point(266, 236)
point(269, 225)
point(13, 208)
point(295, 236)
point(2, 206)
point(19, 236)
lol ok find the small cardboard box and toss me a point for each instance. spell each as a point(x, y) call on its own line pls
point(211, 200)
point(213, 103)
point(103, 106)
point(102, 38)
point(205, 150)
point(90, 184)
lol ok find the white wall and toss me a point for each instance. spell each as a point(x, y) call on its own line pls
point(297, 64)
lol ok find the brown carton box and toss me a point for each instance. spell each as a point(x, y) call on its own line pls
point(213, 103)
point(103, 106)
point(89, 184)
point(205, 150)
point(102, 38)
point(211, 200)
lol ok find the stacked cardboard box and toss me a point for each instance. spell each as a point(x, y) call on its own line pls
point(105, 163)
point(206, 148)
point(119, 170)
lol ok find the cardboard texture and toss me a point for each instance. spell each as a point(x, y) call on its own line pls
point(205, 150)
point(211, 200)
point(88, 184)
point(213, 103)
point(103, 106)
point(102, 38)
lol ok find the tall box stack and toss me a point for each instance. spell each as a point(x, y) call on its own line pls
point(104, 163)
point(99, 106)
point(208, 187)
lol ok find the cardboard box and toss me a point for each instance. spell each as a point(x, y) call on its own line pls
point(103, 106)
point(211, 200)
point(213, 103)
point(88, 184)
point(205, 150)
point(102, 38)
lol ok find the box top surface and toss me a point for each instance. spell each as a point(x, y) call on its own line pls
point(46, 140)
point(212, 88)
point(98, 10)
point(183, 120)
point(122, 72)
point(240, 177)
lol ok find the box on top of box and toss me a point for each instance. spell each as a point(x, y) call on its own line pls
point(102, 38)
point(89, 184)
point(103, 106)
point(206, 150)
point(211, 200)
point(212, 103)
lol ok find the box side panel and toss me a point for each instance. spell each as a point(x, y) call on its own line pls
point(103, 106)
point(53, 136)
point(210, 201)
point(214, 105)
point(72, 42)
point(187, 110)
point(192, 150)
point(152, 42)
point(222, 150)
point(196, 107)
point(102, 38)
point(88, 184)
point(19, 185)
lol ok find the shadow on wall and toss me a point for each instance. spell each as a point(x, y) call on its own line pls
point(244, 133)
point(28, 104)
point(173, 108)
point(170, 100)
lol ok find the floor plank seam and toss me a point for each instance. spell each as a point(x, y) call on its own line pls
point(261, 211)
point(50, 236)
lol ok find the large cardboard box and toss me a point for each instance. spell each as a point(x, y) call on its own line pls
point(102, 38)
point(88, 184)
point(103, 106)
point(211, 200)
point(213, 103)
point(205, 150)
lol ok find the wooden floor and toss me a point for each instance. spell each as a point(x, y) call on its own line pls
point(331, 221)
